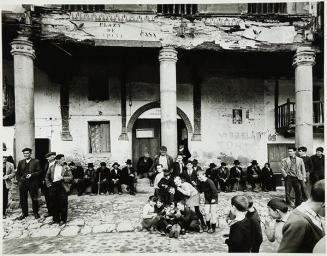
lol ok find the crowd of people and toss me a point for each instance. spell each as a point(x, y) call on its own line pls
point(174, 207)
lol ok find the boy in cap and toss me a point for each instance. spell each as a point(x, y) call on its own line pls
point(166, 187)
point(318, 166)
point(115, 179)
point(45, 191)
point(128, 176)
point(28, 177)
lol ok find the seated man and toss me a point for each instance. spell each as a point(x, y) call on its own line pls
point(78, 178)
point(128, 176)
point(253, 174)
point(115, 179)
point(223, 176)
point(210, 173)
point(166, 187)
point(235, 176)
point(187, 219)
point(102, 177)
point(89, 177)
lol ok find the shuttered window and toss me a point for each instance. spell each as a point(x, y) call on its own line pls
point(267, 8)
point(84, 7)
point(99, 137)
point(178, 9)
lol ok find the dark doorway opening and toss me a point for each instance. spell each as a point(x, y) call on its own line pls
point(42, 147)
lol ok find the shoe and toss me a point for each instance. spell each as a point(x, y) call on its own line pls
point(171, 234)
point(205, 228)
point(176, 234)
point(200, 229)
point(182, 232)
point(53, 222)
point(46, 215)
point(4, 216)
point(36, 215)
point(21, 217)
point(210, 231)
point(120, 193)
point(111, 193)
point(132, 193)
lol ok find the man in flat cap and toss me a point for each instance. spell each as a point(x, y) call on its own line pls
point(45, 191)
point(164, 159)
point(318, 166)
point(28, 177)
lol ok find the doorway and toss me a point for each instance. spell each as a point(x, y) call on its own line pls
point(146, 137)
point(42, 147)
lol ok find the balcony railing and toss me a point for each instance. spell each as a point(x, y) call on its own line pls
point(285, 116)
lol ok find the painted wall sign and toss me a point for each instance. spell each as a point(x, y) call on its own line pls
point(144, 133)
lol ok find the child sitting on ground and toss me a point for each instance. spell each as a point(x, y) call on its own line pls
point(149, 214)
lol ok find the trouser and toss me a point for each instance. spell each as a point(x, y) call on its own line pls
point(165, 196)
point(112, 186)
point(5, 198)
point(26, 187)
point(45, 192)
point(222, 184)
point(293, 182)
point(211, 212)
point(59, 199)
point(151, 176)
point(315, 176)
point(232, 182)
point(304, 191)
point(193, 225)
point(130, 183)
point(199, 214)
point(268, 183)
point(148, 223)
point(104, 187)
point(252, 181)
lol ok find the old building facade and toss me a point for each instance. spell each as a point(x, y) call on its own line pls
point(110, 82)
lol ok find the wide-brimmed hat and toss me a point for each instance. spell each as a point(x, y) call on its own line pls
point(195, 161)
point(129, 161)
point(103, 164)
point(254, 162)
point(115, 163)
point(90, 165)
point(223, 164)
point(236, 162)
point(212, 165)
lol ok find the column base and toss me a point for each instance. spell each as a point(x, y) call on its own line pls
point(123, 136)
point(196, 137)
point(66, 136)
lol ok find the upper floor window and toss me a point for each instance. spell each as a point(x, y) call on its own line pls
point(267, 8)
point(98, 86)
point(84, 7)
point(178, 9)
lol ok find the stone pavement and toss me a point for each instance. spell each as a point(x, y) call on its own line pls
point(100, 217)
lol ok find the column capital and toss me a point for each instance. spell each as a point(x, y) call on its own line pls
point(22, 46)
point(304, 56)
point(168, 54)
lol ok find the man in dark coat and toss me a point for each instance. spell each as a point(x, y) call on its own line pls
point(178, 167)
point(115, 179)
point(190, 175)
point(254, 174)
point(28, 177)
point(267, 175)
point(102, 178)
point(184, 152)
point(128, 177)
point(164, 159)
point(89, 177)
point(236, 176)
point(318, 166)
point(78, 178)
point(144, 165)
point(166, 187)
point(223, 176)
point(45, 191)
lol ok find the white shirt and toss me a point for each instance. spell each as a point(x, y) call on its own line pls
point(158, 177)
point(57, 173)
point(28, 160)
point(163, 160)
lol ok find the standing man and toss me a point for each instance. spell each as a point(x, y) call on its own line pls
point(184, 152)
point(178, 167)
point(308, 169)
point(208, 188)
point(318, 166)
point(128, 176)
point(8, 175)
point(45, 191)
point(28, 177)
point(164, 159)
point(293, 171)
point(304, 227)
point(58, 180)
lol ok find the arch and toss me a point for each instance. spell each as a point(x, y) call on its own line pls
point(156, 104)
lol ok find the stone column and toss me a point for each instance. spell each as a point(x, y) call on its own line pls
point(168, 105)
point(303, 61)
point(23, 52)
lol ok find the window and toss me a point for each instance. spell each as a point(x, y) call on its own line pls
point(98, 86)
point(99, 137)
point(267, 8)
point(186, 9)
point(87, 8)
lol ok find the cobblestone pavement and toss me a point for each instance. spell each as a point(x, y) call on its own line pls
point(95, 221)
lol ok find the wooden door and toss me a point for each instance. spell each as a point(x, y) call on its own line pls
point(276, 152)
point(149, 144)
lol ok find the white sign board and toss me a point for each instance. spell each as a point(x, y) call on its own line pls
point(144, 133)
